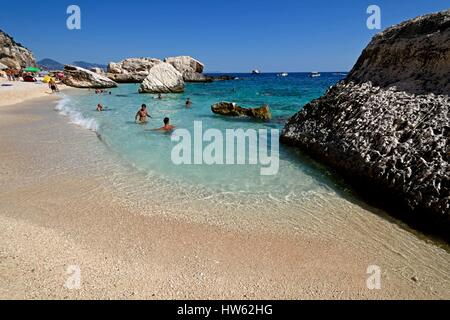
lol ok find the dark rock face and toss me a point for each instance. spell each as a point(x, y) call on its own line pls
point(13, 54)
point(386, 127)
point(232, 110)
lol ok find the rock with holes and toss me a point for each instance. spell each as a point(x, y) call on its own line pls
point(386, 127)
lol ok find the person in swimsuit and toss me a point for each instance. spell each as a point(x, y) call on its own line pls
point(188, 103)
point(100, 107)
point(52, 85)
point(142, 114)
point(166, 127)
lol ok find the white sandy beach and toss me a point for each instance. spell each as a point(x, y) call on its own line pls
point(21, 91)
point(60, 205)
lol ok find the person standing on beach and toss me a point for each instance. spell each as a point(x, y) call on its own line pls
point(8, 74)
point(52, 86)
point(142, 114)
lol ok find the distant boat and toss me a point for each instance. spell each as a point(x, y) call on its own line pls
point(314, 74)
point(256, 71)
point(284, 74)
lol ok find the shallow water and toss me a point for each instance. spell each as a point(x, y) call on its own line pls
point(315, 211)
point(150, 151)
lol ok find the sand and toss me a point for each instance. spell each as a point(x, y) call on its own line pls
point(61, 206)
point(22, 91)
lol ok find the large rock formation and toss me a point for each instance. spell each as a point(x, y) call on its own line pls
point(386, 126)
point(98, 71)
point(162, 78)
point(191, 69)
point(81, 78)
point(231, 109)
point(132, 70)
point(13, 54)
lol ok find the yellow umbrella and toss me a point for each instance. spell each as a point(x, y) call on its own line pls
point(47, 79)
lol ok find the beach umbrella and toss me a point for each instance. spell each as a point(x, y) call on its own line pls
point(32, 69)
point(3, 67)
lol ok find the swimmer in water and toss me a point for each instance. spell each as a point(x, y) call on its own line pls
point(166, 127)
point(100, 108)
point(188, 103)
point(142, 114)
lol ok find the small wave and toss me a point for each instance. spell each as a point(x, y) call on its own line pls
point(75, 117)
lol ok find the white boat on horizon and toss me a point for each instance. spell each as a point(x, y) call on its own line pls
point(256, 71)
point(315, 74)
point(284, 74)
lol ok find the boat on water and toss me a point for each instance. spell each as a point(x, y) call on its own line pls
point(314, 74)
point(256, 71)
point(284, 74)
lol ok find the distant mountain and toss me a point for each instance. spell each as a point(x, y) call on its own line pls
point(88, 65)
point(50, 64)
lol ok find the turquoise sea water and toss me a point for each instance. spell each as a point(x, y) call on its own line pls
point(150, 151)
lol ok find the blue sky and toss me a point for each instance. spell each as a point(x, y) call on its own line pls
point(228, 36)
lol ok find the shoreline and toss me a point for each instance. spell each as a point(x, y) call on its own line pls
point(59, 208)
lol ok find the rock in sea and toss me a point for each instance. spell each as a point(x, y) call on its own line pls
point(190, 68)
point(163, 78)
point(386, 127)
point(132, 70)
point(233, 110)
point(81, 78)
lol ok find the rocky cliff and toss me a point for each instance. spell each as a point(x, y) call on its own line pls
point(13, 54)
point(386, 126)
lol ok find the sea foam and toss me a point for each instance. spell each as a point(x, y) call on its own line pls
point(63, 107)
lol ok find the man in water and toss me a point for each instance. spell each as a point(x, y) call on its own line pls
point(188, 103)
point(159, 96)
point(166, 127)
point(99, 107)
point(142, 114)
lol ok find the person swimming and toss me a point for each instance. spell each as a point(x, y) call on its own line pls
point(188, 103)
point(166, 127)
point(100, 107)
point(142, 114)
point(159, 96)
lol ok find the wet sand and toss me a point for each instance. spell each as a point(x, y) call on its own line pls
point(61, 204)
